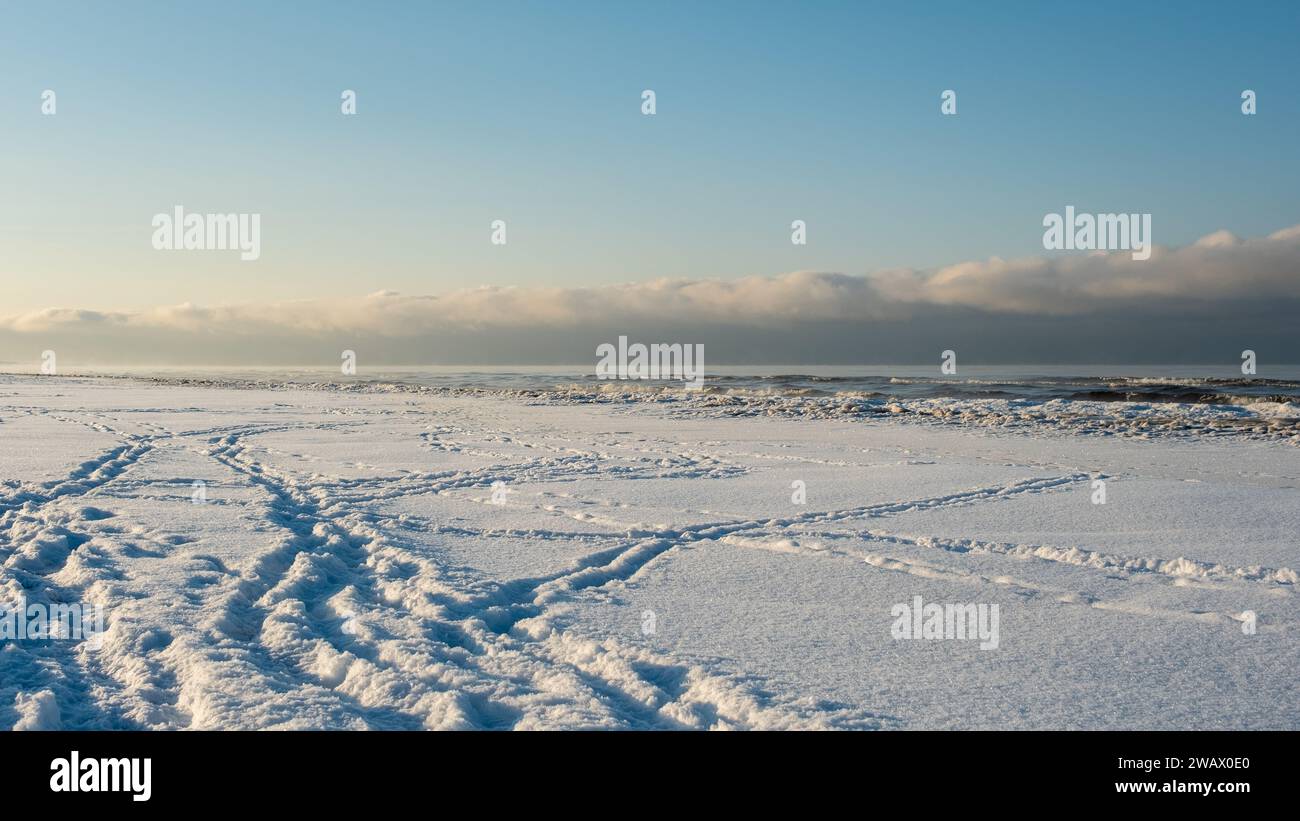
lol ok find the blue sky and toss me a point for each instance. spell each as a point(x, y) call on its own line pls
point(530, 112)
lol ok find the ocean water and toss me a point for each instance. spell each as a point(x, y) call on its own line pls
point(1191, 384)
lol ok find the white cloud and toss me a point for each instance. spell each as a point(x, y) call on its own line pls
point(1218, 267)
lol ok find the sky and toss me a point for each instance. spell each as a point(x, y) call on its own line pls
point(531, 113)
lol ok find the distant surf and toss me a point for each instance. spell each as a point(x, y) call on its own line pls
point(1179, 384)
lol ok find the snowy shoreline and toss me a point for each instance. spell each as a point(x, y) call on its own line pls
point(1249, 419)
point(406, 557)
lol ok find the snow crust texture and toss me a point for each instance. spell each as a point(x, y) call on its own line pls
point(293, 559)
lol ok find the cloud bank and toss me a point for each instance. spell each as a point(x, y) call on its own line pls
point(1212, 292)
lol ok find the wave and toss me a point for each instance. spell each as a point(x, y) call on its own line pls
point(1271, 396)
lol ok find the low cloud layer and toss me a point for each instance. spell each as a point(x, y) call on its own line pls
point(1214, 292)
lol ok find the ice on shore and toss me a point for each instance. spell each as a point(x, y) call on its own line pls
point(309, 557)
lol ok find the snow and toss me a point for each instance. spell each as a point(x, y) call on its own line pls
point(642, 564)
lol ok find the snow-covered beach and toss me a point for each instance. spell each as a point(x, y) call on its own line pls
point(310, 557)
